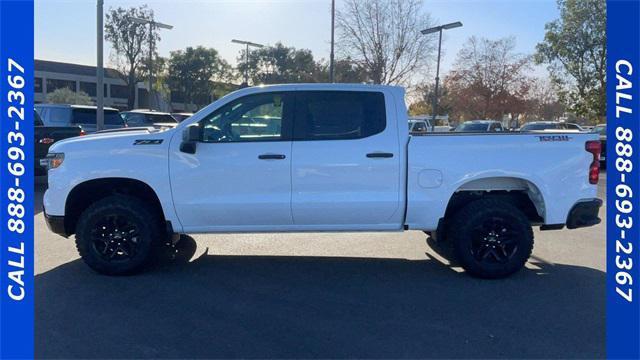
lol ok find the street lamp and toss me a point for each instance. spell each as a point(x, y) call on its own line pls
point(333, 28)
point(247, 44)
point(152, 24)
point(100, 67)
point(432, 30)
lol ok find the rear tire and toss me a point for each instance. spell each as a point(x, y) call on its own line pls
point(491, 238)
point(116, 235)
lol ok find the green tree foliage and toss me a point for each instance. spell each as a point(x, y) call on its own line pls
point(130, 41)
point(575, 49)
point(192, 73)
point(345, 70)
point(68, 96)
point(279, 64)
point(284, 64)
point(425, 94)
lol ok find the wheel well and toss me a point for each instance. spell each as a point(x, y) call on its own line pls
point(88, 192)
point(519, 198)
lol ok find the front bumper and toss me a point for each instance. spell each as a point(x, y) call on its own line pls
point(55, 223)
point(584, 213)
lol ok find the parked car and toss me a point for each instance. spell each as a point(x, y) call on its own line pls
point(549, 126)
point(77, 115)
point(480, 126)
point(417, 127)
point(141, 117)
point(601, 130)
point(327, 157)
point(180, 117)
point(45, 136)
point(440, 125)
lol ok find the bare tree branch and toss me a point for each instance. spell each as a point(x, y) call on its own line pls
point(383, 37)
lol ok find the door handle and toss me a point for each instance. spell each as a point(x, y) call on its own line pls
point(271, 157)
point(379, 155)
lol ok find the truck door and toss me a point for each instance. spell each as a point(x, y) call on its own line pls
point(240, 175)
point(345, 167)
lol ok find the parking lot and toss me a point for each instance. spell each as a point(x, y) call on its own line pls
point(382, 295)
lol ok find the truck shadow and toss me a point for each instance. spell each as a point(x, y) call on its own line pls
point(318, 307)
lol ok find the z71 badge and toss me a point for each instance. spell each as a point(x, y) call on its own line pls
point(148, 142)
point(554, 137)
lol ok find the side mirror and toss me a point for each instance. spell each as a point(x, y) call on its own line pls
point(190, 137)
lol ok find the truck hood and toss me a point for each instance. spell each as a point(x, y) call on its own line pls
point(112, 139)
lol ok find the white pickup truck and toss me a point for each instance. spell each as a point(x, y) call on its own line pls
point(323, 158)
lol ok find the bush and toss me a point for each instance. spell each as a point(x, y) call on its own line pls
point(67, 96)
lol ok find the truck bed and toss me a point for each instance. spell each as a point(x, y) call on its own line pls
point(442, 164)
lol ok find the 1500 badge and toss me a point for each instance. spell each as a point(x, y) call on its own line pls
point(554, 137)
point(148, 142)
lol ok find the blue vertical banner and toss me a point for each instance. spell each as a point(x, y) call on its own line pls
point(16, 182)
point(623, 180)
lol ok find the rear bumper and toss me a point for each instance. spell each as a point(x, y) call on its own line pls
point(584, 213)
point(55, 223)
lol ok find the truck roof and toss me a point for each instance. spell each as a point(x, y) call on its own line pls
point(92, 107)
point(324, 86)
point(482, 121)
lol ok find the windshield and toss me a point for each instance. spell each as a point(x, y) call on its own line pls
point(602, 129)
point(472, 127)
point(180, 117)
point(539, 126)
point(134, 119)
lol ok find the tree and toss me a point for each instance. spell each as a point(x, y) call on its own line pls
point(345, 71)
point(575, 49)
point(489, 80)
point(68, 96)
point(130, 41)
point(383, 37)
point(279, 64)
point(423, 104)
point(192, 73)
point(543, 102)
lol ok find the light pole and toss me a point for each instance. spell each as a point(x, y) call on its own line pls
point(152, 24)
point(247, 44)
point(100, 68)
point(432, 30)
point(333, 18)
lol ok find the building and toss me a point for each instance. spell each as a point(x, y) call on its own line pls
point(52, 75)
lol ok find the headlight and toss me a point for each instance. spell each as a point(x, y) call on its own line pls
point(52, 161)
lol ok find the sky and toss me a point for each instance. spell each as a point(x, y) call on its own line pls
point(65, 30)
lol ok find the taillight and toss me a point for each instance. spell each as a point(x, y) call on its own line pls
point(46, 141)
point(594, 147)
point(82, 133)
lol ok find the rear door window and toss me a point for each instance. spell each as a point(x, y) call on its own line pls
point(58, 117)
point(88, 116)
point(338, 115)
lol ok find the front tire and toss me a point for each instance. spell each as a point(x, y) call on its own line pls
point(116, 235)
point(491, 238)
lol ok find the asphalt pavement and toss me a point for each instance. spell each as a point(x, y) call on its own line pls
point(356, 295)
